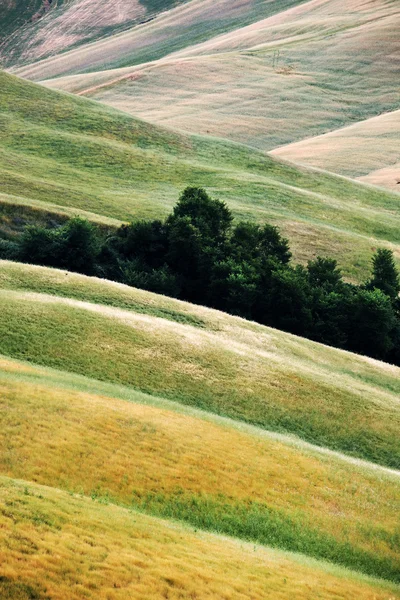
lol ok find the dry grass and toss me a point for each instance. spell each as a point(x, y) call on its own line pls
point(335, 66)
point(364, 150)
point(127, 451)
point(62, 546)
point(57, 27)
point(193, 22)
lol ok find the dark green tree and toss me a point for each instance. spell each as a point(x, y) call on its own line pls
point(324, 273)
point(371, 323)
point(212, 218)
point(79, 246)
point(385, 276)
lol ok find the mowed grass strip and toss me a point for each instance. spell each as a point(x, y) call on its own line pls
point(59, 545)
point(227, 366)
point(208, 474)
point(76, 154)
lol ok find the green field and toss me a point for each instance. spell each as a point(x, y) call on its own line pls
point(132, 407)
point(155, 449)
point(201, 358)
point(66, 154)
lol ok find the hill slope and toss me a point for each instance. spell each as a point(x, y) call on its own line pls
point(368, 150)
point(302, 72)
point(145, 453)
point(196, 21)
point(202, 358)
point(61, 545)
point(34, 29)
point(62, 153)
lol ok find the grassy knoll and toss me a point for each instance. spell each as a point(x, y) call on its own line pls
point(219, 477)
point(60, 545)
point(60, 151)
point(222, 363)
point(368, 150)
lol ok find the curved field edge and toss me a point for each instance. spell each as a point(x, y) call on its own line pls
point(196, 469)
point(77, 154)
point(63, 554)
point(222, 364)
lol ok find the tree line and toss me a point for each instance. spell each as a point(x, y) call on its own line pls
point(198, 254)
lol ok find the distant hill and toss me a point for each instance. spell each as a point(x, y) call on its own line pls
point(308, 69)
point(368, 150)
point(33, 29)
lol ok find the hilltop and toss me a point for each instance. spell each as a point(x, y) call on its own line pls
point(33, 29)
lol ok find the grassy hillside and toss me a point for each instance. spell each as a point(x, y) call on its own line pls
point(201, 358)
point(368, 150)
point(223, 477)
point(60, 545)
point(33, 29)
point(300, 73)
point(59, 152)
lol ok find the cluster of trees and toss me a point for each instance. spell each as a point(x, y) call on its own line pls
point(199, 254)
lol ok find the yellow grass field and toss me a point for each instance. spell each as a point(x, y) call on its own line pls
point(129, 451)
point(63, 546)
point(369, 150)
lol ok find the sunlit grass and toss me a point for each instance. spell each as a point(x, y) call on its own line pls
point(223, 364)
point(191, 468)
point(64, 546)
point(366, 150)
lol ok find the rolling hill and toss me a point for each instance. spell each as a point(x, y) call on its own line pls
point(106, 450)
point(368, 150)
point(202, 358)
point(59, 545)
point(307, 70)
point(33, 29)
point(63, 154)
point(151, 448)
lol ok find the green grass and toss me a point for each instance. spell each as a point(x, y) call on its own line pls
point(227, 365)
point(64, 153)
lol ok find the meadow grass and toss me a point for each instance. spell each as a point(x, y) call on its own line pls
point(66, 154)
point(60, 545)
point(223, 364)
point(192, 468)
